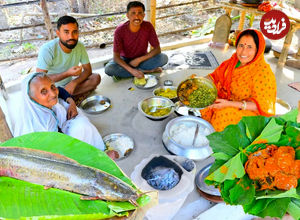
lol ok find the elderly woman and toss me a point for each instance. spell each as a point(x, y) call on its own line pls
point(246, 84)
point(44, 110)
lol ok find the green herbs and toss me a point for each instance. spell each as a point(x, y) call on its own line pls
point(202, 97)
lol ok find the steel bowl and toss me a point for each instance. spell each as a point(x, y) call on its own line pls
point(188, 86)
point(190, 151)
point(155, 101)
point(95, 104)
point(162, 88)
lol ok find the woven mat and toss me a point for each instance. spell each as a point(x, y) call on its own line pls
point(192, 60)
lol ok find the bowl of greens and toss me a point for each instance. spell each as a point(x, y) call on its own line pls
point(197, 92)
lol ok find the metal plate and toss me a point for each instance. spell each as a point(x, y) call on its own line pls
point(151, 82)
point(199, 180)
point(281, 107)
point(185, 110)
point(121, 143)
point(95, 104)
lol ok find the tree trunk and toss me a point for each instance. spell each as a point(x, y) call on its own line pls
point(47, 19)
point(79, 6)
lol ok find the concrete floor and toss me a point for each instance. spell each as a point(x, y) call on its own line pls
point(124, 117)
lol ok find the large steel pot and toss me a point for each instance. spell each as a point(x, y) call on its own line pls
point(190, 151)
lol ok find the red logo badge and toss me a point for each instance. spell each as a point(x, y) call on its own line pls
point(274, 24)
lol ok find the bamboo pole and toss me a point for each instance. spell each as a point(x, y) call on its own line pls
point(47, 19)
point(5, 133)
point(286, 46)
point(153, 12)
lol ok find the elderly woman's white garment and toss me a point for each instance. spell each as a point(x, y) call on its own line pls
point(35, 117)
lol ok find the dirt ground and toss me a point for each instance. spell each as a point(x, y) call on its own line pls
point(17, 43)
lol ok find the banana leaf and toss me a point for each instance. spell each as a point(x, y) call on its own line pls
point(24, 200)
point(231, 148)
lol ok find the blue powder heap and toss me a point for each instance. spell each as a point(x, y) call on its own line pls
point(162, 178)
point(188, 165)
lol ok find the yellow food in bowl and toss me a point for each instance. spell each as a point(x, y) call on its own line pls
point(168, 93)
point(139, 82)
point(160, 111)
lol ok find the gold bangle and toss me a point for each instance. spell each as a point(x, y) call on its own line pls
point(244, 106)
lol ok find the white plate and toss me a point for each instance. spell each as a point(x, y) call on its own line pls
point(116, 142)
point(148, 78)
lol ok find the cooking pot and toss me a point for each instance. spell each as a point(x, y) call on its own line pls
point(189, 148)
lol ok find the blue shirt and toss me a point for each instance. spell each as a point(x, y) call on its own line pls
point(52, 58)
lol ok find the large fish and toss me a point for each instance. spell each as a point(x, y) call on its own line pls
point(56, 171)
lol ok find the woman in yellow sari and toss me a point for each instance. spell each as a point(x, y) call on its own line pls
point(246, 84)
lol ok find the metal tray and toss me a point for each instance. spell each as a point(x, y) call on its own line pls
point(199, 180)
point(95, 104)
point(182, 109)
point(123, 151)
point(147, 77)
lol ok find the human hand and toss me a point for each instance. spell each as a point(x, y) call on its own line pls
point(220, 103)
point(74, 71)
point(135, 62)
point(113, 154)
point(70, 87)
point(137, 73)
point(72, 110)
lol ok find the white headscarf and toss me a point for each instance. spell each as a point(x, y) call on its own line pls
point(35, 117)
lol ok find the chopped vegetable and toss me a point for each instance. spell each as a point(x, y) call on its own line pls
point(139, 82)
point(168, 93)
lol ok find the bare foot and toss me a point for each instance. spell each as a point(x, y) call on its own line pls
point(156, 70)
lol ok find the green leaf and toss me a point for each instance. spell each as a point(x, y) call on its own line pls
point(256, 206)
point(292, 193)
point(294, 209)
point(270, 134)
point(230, 140)
point(20, 198)
point(243, 192)
point(255, 125)
point(221, 156)
point(230, 170)
point(225, 189)
point(297, 153)
point(290, 116)
point(276, 208)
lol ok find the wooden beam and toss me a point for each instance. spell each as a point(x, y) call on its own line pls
point(23, 3)
point(5, 133)
point(47, 19)
point(153, 12)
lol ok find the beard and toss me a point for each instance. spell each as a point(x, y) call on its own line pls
point(69, 46)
